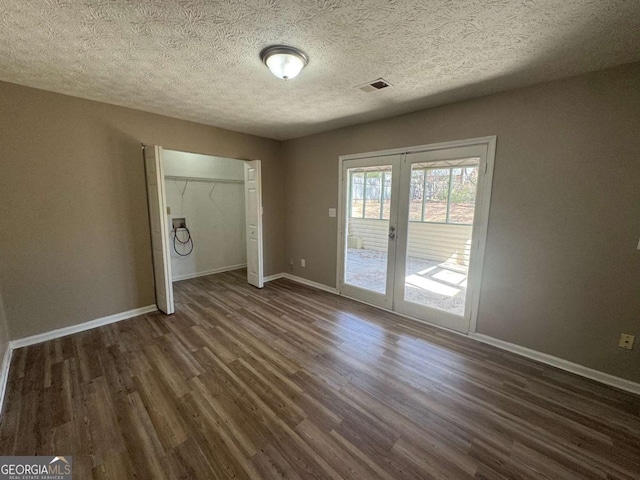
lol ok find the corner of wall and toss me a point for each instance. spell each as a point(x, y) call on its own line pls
point(5, 353)
point(284, 163)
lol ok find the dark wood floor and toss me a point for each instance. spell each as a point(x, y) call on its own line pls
point(291, 382)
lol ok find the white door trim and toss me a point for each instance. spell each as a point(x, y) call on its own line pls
point(253, 181)
point(422, 148)
point(481, 224)
point(157, 205)
point(481, 220)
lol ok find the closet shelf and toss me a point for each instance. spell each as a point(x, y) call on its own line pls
point(202, 179)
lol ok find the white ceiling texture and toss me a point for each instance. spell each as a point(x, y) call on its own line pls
point(199, 60)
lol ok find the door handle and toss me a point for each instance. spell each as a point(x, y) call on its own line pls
point(392, 232)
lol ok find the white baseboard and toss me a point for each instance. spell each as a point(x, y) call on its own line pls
point(4, 374)
point(566, 365)
point(598, 376)
point(208, 272)
point(304, 281)
point(271, 278)
point(581, 370)
point(80, 327)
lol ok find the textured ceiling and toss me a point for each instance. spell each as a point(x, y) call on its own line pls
point(199, 60)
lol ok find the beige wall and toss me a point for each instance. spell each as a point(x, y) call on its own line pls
point(75, 239)
point(562, 271)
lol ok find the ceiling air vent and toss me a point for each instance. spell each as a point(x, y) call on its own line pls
point(377, 84)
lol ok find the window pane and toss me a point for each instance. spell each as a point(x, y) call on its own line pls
point(373, 183)
point(416, 195)
point(436, 194)
point(463, 194)
point(386, 196)
point(367, 239)
point(357, 194)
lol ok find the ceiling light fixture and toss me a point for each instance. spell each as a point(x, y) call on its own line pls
point(283, 61)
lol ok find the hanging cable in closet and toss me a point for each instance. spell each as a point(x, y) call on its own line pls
point(188, 242)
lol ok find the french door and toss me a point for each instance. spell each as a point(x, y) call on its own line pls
point(413, 229)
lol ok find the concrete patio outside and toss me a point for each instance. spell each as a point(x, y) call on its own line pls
point(436, 284)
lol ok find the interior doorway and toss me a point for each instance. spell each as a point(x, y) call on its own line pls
point(413, 229)
point(205, 215)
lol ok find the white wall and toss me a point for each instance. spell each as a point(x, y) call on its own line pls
point(214, 212)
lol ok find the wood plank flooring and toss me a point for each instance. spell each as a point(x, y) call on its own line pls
point(291, 382)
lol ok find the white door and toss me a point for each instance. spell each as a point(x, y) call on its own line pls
point(435, 278)
point(158, 224)
point(413, 229)
point(253, 218)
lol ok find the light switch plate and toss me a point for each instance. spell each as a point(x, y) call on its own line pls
point(332, 213)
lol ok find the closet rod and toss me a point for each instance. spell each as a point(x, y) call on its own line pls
point(201, 179)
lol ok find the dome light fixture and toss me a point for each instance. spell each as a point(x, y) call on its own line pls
point(284, 62)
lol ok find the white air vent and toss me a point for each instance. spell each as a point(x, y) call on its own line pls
point(377, 84)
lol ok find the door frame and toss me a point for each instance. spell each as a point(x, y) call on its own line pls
point(480, 223)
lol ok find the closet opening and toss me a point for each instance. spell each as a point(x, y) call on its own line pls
point(205, 215)
point(205, 209)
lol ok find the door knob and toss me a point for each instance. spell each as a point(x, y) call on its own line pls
point(392, 232)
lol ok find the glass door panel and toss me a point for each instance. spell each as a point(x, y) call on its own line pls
point(438, 200)
point(368, 227)
point(370, 224)
point(439, 240)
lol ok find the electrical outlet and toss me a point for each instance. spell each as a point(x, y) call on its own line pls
point(303, 263)
point(626, 341)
